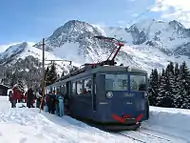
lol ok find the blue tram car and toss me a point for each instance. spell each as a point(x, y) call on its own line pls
point(114, 96)
point(110, 95)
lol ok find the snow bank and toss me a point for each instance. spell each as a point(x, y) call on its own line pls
point(169, 121)
point(23, 125)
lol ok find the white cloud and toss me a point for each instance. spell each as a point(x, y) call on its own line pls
point(174, 9)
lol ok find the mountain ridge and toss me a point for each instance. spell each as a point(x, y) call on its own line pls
point(149, 44)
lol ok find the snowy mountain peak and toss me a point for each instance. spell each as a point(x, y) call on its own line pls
point(73, 28)
point(79, 26)
point(150, 43)
point(17, 47)
point(155, 25)
point(72, 31)
point(12, 52)
point(176, 25)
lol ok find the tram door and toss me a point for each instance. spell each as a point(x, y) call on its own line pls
point(67, 98)
point(94, 92)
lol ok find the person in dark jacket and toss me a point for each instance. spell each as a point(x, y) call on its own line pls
point(30, 98)
point(10, 95)
point(51, 101)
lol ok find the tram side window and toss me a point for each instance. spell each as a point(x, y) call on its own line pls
point(73, 88)
point(57, 89)
point(79, 87)
point(88, 86)
point(63, 89)
point(138, 82)
point(48, 90)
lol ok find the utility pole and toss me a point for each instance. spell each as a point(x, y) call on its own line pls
point(43, 73)
point(43, 59)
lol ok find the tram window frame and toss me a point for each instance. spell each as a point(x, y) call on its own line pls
point(63, 89)
point(115, 81)
point(138, 85)
point(57, 88)
point(81, 90)
point(91, 87)
point(73, 92)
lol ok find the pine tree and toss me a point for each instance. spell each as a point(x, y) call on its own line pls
point(162, 89)
point(154, 83)
point(176, 69)
point(177, 88)
point(171, 86)
point(183, 99)
point(48, 82)
point(14, 79)
point(51, 75)
point(63, 74)
point(164, 98)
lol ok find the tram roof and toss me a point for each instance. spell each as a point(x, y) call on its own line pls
point(119, 69)
point(99, 69)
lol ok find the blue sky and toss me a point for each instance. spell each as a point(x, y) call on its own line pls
point(31, 20)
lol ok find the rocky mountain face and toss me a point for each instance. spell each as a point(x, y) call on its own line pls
point(23, 61)
point(12, 53)
point(148, 44)
point(76, 37)
point(168, 37)
point(28, 69)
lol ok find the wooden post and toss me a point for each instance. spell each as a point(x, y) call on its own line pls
point(43, 92)
point(43, 73)
point(43, 59)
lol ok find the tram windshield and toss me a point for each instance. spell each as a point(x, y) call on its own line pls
point(119, 82)
point(116, 82)
point(138, 82)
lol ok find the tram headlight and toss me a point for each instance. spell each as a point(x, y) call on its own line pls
point(109, 94)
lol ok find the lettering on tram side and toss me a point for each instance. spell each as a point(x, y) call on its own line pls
point(128, 94)
point(128, 103)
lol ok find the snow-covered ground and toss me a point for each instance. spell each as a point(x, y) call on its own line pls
point(171, 122)
point(23, 125)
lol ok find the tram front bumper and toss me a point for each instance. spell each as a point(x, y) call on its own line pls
point(127, 119)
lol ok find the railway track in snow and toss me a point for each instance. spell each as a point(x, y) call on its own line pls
point(144, 135)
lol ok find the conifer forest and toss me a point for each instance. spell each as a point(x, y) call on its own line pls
point(171, 87)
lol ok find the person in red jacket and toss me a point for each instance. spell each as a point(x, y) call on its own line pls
point(17, 95)
point(14, 97)
point(20, 96)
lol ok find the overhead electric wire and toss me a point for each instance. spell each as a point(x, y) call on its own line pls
point(144, 12)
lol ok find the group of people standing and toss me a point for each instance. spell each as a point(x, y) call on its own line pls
point(53, 101)
point(18, 96)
